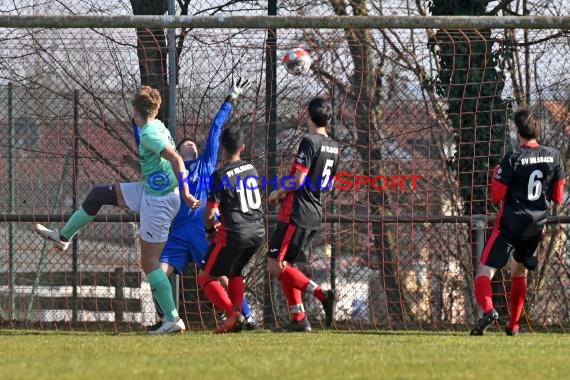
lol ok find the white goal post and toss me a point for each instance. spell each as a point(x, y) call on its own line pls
point(293, 22)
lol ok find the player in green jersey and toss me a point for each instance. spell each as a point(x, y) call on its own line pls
point(156, 198)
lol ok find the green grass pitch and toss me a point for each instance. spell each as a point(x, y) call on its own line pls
point(264, 355)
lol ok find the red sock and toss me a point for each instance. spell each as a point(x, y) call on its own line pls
point(484, 293)
point(294, 301)
point(296, 279)
point(216, 293)
point(516, 302)
point(319, 294)
point(236, 290)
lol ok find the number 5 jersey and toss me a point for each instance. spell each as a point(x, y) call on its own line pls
point(318, 157)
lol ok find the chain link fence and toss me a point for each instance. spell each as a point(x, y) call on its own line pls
point(431, 103)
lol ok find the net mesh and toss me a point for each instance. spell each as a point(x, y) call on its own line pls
point(435, 104)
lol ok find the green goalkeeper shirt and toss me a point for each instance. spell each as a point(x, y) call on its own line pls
point(157, 173)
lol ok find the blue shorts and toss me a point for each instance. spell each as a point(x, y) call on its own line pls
point(185, 244)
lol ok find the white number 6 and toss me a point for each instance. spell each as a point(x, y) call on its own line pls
point(535, 185)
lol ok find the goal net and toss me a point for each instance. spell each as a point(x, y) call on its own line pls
point(422, 115)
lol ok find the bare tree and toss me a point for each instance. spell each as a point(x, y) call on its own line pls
point(151, 50)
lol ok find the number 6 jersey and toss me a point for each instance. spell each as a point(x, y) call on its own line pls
point(526, 180)
point(318, 157)
point(234, 190)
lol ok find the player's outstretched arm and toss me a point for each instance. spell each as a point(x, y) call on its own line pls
point(210, 154)
point(178, 167)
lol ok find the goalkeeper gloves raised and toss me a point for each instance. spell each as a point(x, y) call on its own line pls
point(239, 87)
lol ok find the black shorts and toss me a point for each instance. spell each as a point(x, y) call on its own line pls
point(222, 260)
point(289, 241)
point(498, 250)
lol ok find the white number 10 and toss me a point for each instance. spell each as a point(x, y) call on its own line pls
point(249, 196)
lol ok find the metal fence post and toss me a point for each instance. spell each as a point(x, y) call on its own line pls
point(271, 120)
point(334, 249)
point(75, 174)
point(118, 281)
point(11, 203)
point(175, 281)
point(171, 38)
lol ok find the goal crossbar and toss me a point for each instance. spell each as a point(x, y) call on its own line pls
point(278, 22)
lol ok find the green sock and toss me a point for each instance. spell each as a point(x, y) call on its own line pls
point(162, 291)
point(78, 220)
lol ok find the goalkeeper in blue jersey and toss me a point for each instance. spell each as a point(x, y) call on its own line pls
point(187, 239)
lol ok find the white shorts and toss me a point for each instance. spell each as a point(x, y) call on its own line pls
point(156, 212)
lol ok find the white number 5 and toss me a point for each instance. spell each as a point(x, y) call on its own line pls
point(535, 185)
point(326, 174)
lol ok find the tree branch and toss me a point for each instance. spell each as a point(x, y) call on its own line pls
point(502, 6)
point(421, 11)
point(562, 33)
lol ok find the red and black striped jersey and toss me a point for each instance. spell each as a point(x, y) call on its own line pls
point(318, 157)
point(525, 180)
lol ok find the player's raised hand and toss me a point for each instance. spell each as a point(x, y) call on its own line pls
point(239, 87)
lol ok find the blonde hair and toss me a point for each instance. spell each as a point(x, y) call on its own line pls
point(147, 101)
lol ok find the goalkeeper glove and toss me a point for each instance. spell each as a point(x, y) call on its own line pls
point(239, 87)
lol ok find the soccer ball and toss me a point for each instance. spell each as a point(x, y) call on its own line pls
point(297, 61)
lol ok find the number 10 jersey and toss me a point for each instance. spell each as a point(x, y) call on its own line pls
point(235, 192)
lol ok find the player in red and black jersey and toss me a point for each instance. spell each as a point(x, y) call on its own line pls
point(523, 183)
point(301, 213)
point(234, 191)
